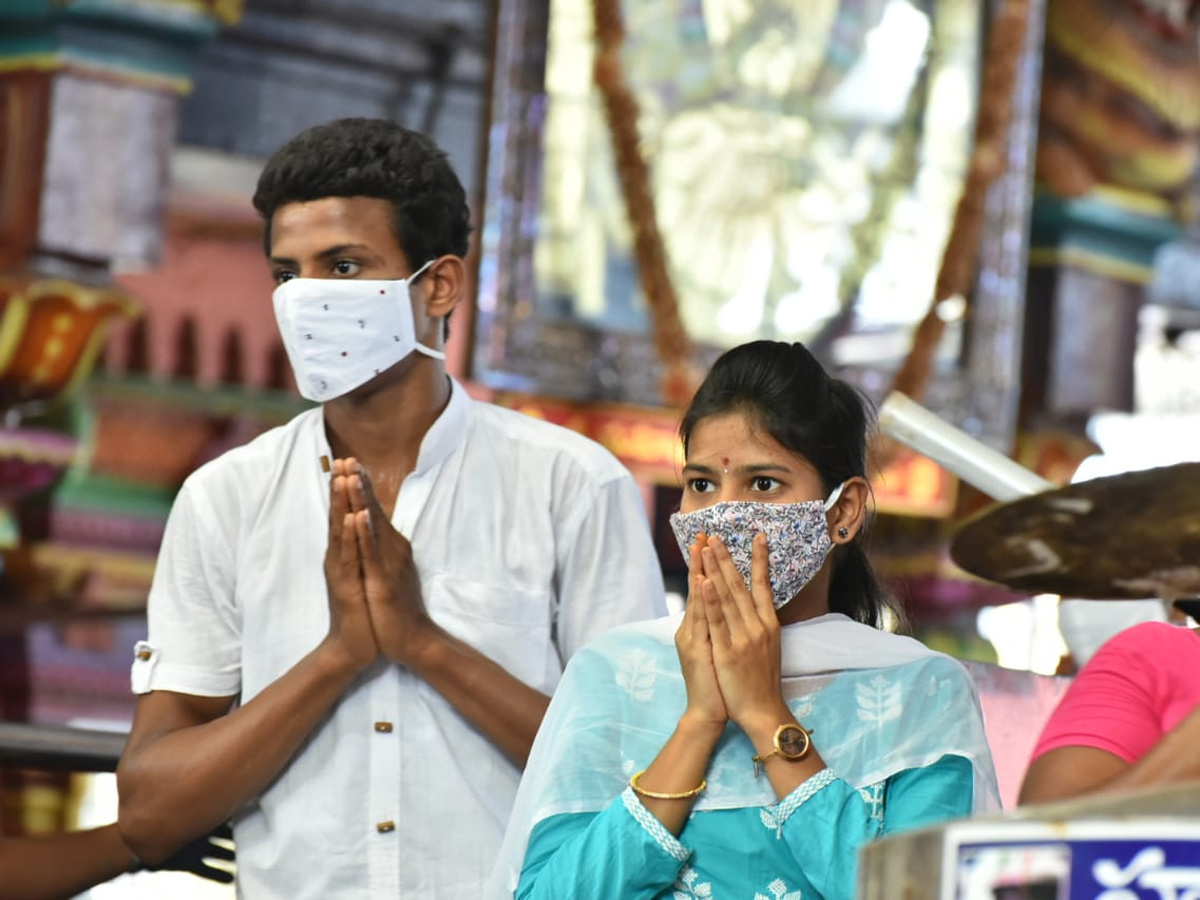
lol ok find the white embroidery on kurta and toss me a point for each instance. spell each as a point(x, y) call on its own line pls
point(778, 890)
point(689, 885)
point(653, 827)
point(873, 794)
point(878, 700)
point(776, 814)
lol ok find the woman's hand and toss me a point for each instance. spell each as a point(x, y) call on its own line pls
point(743, 630)
point(705, 706)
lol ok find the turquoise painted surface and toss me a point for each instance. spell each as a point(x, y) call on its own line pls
point(109, 34)
point(24, 9)
point(1099, 226)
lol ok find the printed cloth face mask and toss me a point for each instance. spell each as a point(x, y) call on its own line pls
point(797, 537)
point(339, 334)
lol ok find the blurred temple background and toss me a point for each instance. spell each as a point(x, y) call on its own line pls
point(990, 204)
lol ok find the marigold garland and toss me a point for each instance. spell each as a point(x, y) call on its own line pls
point(961, 256)
point(671, 340)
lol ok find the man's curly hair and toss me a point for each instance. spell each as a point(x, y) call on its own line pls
point(372, 158)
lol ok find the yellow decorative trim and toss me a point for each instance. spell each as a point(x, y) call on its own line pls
point(87, 358)
point(39, 62)
point(1090, 261)
point(12, 326)
point(12, 447)
point(130, 566)
point(226, 11)
point(174, 84)
point(1133, 201)
point(1085, 33)
point(82, 296)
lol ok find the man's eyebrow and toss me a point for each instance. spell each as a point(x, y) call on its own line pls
point(328, 253)
point(339, 249)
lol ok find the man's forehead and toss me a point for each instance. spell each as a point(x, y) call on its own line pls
point(313, 227)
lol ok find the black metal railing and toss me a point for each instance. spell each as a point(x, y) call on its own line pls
point(59, 747)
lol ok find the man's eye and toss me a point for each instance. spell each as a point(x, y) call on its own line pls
point(281, 277)
point(345, 267)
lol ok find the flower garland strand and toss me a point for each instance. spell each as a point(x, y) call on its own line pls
point(961, 256)
point(671, 341)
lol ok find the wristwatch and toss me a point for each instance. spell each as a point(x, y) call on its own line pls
point(791, 741)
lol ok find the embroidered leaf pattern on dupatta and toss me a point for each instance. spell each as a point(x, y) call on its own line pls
point(637, 677)
point(878, 700)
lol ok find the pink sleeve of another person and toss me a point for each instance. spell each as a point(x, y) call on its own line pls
point(1123, 700)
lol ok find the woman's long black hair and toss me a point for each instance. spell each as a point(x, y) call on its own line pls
point(827, 421)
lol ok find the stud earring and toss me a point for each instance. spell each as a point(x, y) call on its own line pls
point(843, 532)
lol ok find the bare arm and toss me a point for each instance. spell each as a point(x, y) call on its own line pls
point(505, 709)
point(680, 765)
point(1068, 772)
point(188, 765)
point(62, 865)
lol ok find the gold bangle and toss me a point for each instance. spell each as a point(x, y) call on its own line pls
point(657, 795)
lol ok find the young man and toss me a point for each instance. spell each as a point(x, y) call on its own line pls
point(389, 585)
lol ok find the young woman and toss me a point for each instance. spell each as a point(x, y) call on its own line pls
point(752, 755)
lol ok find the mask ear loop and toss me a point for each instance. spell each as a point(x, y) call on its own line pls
point(408, 282)
point(835, 496)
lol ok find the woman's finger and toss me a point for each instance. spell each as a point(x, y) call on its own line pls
point(714, 613)
point(760, 578)
point(741, 612)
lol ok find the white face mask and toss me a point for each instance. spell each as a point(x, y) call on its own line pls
point(339, 334)
point(797, 537)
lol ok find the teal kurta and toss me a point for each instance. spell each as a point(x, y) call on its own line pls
point(897, 725)
point(805, 846)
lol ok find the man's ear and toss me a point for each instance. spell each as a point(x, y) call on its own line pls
point(445, 283)
point(846, 516)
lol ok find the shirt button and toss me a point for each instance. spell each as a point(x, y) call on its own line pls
point(385, 826)
point(383, 727)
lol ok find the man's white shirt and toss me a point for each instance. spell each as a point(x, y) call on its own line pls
point(529, 540)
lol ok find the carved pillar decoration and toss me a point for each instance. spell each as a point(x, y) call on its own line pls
point(24, 122)
point(680, 378)
point(1120, 138)
point(50, 333)
point(88, 99)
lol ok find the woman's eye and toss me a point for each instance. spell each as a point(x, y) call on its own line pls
point(345, 267)
point(700, 485)
point(763, 483)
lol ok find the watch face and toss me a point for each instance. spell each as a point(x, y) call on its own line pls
point(792, 741)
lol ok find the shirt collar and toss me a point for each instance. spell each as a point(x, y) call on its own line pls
point(444, 436)
point(447, 432)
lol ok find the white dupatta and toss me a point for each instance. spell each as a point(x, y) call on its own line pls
point(878, 703)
